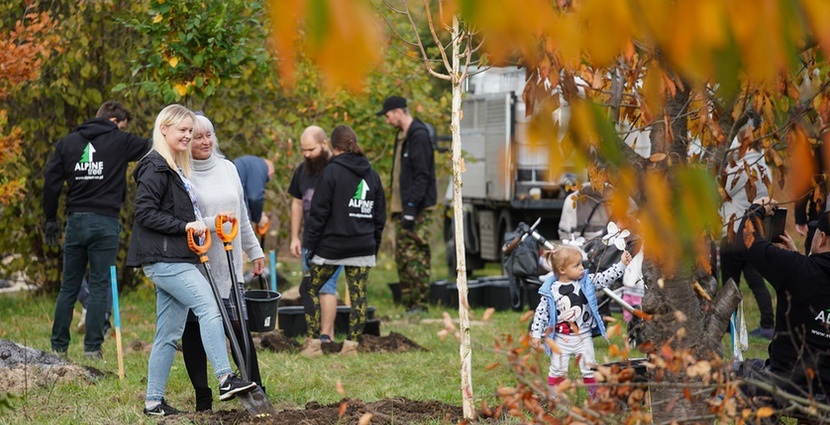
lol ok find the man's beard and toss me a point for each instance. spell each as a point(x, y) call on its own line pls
point(313, 167)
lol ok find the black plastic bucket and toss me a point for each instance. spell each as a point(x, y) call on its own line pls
point(262, 310)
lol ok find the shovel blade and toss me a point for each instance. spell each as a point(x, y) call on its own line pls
point(257, 404)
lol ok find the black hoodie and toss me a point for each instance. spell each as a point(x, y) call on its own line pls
point(92, 160)
point(800, 350)
point(348, 210)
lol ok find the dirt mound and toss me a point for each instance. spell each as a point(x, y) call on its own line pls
point(23, 367)
point(398, 411)
point(392, 343)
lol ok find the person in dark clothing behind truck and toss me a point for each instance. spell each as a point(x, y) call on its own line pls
point(92, 161)
point(413, 196)
point(799, 354)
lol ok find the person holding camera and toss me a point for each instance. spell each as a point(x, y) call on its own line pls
point(799, 353)
point(745, 177)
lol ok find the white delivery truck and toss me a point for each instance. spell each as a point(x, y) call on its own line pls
point(507, 178)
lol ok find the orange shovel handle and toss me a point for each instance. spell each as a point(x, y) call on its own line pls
point(200, 250)
point(262, 230)
point(227, 238)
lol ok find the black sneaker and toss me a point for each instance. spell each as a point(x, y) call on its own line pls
point(234, 385)
point(163, 409)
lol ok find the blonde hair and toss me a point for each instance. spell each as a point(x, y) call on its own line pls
point(562, 255)
point(170, 116)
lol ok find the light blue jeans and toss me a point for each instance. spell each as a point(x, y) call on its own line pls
point(330, 287)
point(179, 287)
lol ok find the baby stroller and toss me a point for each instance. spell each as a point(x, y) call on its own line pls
point(521, 263)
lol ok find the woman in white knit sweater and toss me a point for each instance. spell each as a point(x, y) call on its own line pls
point(219, 191)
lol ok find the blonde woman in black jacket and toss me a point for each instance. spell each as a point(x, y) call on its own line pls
point(166, 209)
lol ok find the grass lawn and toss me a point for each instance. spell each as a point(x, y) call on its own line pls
point(291, 380)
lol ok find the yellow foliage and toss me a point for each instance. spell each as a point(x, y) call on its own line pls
point(345, 45)
point(181, 89)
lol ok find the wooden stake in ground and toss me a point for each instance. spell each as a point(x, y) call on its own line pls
point(117, 316)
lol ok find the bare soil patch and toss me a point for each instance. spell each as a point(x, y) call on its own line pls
point(392, 343)
point(23, 367)
point(399, 411)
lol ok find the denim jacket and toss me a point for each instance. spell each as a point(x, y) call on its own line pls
point(587, 286)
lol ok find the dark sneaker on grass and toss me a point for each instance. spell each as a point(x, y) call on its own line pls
point(163, 409)
point(94, 355)
point(234, 385)
point(765, 333)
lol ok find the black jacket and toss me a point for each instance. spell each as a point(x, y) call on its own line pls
point(92, 160)
point(348, 210)
point(162, 210)
point(417, 178)
point(802, 313)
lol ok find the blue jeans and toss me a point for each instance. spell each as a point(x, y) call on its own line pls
point(180, 287)
point(90, 239)
point(330, 287)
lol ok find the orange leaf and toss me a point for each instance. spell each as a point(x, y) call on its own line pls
point(765, 412)
point(660, 156)
point(338, 386)
point(491, 366)
point(553, 346)
point(366, 419)
point(488, 314)
point(527, 316)
point(666, 352)
point(701, 292)
point(341, 410)
point(801, 176)
point(505, 391)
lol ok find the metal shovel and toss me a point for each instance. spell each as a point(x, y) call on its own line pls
point(254, 401)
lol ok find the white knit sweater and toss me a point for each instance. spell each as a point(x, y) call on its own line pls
point(219, 190)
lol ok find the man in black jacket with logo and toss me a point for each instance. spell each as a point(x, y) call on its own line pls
point(92, 161)
point(413, 197)
point(799, 354)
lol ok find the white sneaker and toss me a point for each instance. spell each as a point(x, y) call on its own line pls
point(82, 323)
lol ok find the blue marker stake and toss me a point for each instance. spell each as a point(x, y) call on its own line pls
point(117, 315)
point(273, 271)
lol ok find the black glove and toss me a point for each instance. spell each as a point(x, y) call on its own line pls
point(52, 233)
point(408, 222)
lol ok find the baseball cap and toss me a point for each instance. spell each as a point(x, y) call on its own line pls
point(823, 223)
point(392, 102)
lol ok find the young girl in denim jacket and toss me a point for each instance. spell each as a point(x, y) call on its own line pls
point(568, 312)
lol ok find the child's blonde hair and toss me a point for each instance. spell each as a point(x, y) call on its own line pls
point(561, 256)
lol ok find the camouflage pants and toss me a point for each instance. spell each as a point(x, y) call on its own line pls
point(413, 257)
point(356, 279)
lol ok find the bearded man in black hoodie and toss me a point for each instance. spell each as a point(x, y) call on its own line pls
point(92, 161)
point(799, 353)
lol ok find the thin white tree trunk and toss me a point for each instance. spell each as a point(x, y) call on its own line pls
point(458, 218)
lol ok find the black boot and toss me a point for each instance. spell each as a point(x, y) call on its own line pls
point(204, 399)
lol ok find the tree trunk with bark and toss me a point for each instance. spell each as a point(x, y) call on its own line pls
point(689, 313)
